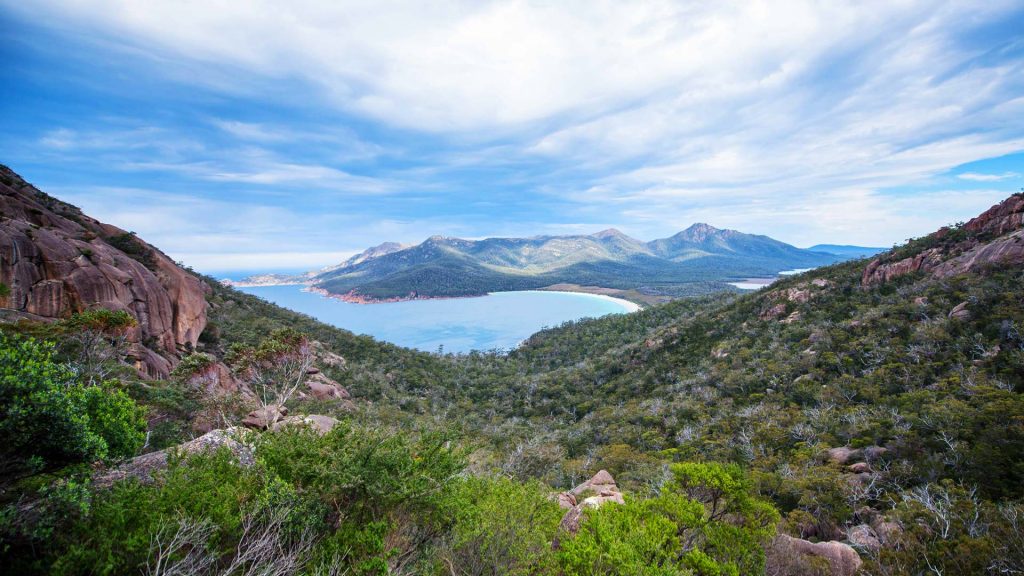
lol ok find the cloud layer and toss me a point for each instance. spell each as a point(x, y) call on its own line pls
point(809, 121)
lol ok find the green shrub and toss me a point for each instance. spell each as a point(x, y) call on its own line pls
point(706, 521)
point(48, 420)
point(363, 474)
point(640, 537)
point(115, 537)
point(499, 526)
point(192, 364)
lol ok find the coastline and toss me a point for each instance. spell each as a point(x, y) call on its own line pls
point(351, 298)
point(628, 307)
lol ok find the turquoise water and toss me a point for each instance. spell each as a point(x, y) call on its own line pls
point(497, 321)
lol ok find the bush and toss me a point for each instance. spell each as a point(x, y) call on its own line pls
point(706, 521)
point(639, 537)
point(499, 526)
point(48, 420)
point(363, 474)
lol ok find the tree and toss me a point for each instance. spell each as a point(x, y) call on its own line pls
point(94, 341)
point(276, 368)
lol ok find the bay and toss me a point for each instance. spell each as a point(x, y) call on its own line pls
point(500, 320)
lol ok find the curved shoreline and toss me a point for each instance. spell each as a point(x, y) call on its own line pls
point(352, 298)
point(628, 307)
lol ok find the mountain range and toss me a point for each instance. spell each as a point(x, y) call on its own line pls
point(697, 260)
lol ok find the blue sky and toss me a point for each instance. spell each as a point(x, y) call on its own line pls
point(247, 135)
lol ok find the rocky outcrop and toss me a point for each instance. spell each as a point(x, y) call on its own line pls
point(960, 312)
point(263, 418)
point(216, 378)
point(878, 272)
point(995, 237)
point(316, 422)
point(56, 261)
point(844, 455)
point(841, 558)
point(325, 357)
point(773, 312)
point(1007, 250)
point(1004, 217)
point(863, 537)
point(145, 467)
point(593, 493)
point(322, 388)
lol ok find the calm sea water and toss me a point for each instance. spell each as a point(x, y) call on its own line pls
point(758, 283)
point(498, 321)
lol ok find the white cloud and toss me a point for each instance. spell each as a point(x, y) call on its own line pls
point(790, 117)
point(977, 177)
point(214, 235)
point(221, 262)
point(472, 65)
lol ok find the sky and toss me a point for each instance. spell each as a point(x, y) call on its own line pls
point(263, 135)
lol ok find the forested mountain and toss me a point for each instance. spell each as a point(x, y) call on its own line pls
point(862, 418)
point(696, 260)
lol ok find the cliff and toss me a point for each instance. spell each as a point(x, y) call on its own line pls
point(55, 260)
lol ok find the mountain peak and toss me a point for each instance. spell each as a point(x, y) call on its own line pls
point(702, 227)
point(609, 233)
point(699, 232)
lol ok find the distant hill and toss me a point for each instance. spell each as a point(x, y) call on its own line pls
point(847, 251)
point(698, 259)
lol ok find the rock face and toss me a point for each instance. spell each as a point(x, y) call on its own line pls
point(1001, 218)
point(996, 238)
point(879, 273)
point(842, 559)
point(321, 387)
point(843, 454)
point(1008, 249)
point(864, 537)
point(144, 467)
point(57, 261)
point(960, 312)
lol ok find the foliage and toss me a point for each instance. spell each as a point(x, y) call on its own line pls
point(134, 248)
point(192, 364)
point(276, 368)
point(116, 536)
point(706, 521)
point(498, 526)
point(94, 342)
point(50, 420)
point(362, 473)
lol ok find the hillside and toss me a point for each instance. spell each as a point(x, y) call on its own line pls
point(863, 418)
point(697, 260)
